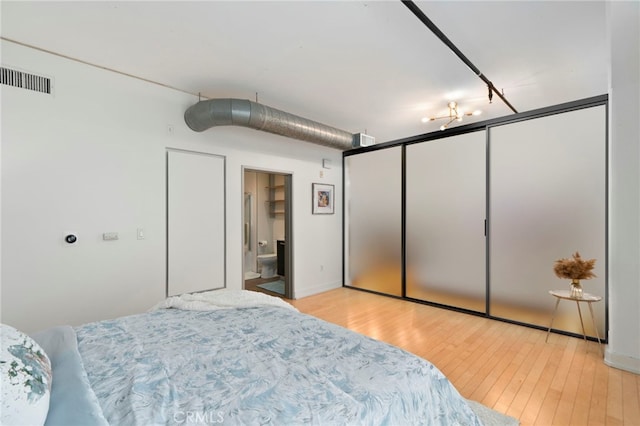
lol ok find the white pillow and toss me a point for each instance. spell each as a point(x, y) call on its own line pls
point(25, 378)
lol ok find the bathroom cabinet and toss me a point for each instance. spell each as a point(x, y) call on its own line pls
point(280, 253)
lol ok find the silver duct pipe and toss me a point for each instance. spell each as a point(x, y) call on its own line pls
point(241, 112)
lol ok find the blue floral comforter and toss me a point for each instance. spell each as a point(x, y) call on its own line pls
point(258, 365)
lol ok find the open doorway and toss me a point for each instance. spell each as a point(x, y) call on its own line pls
point(266, 233)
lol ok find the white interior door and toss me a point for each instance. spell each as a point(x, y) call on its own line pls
point(195, 222)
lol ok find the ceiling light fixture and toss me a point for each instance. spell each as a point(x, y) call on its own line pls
point(454, 115)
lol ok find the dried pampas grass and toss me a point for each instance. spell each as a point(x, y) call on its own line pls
point(575, 268)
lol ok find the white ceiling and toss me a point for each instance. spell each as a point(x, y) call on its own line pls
point(362, 66)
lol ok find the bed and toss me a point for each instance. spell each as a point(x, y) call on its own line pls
point(238, 357)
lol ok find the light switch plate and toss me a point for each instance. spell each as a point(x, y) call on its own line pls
point(110, 236)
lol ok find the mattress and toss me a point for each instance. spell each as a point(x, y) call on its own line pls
point(232, 358)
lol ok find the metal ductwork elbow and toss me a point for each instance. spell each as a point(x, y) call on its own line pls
point(242, 112)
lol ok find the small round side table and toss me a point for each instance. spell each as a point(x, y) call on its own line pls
point(586, 297)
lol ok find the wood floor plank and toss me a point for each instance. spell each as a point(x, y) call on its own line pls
point(630, 399)
point(599, 396)
point(534, 405)
point(507, 367)
point(478, 354)
point(488, 376)
point(582, 395)
point(567, 397)
point(508, 396)
point(614, 404)
point(497, 388)
point(538, 357)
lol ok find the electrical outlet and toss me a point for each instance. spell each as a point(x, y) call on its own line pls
point(110, 236)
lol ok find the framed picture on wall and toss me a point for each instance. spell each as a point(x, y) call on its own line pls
point(323, 198)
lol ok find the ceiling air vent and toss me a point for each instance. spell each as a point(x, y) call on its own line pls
point(25, 80)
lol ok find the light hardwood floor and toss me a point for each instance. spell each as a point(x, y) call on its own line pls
point(507, 367)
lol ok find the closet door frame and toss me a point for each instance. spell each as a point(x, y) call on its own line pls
point(451, 234)
point(487, 125)
point(378, 254)
point(545, 190)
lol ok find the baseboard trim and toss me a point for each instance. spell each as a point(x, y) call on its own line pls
point(300, 293)
point(622, 362)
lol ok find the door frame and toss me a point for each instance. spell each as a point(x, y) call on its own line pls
point(288, 225)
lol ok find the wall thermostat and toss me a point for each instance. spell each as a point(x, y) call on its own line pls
point(71, 238)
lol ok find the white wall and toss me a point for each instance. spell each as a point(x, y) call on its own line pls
point(91, 159)
point(624, 173)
